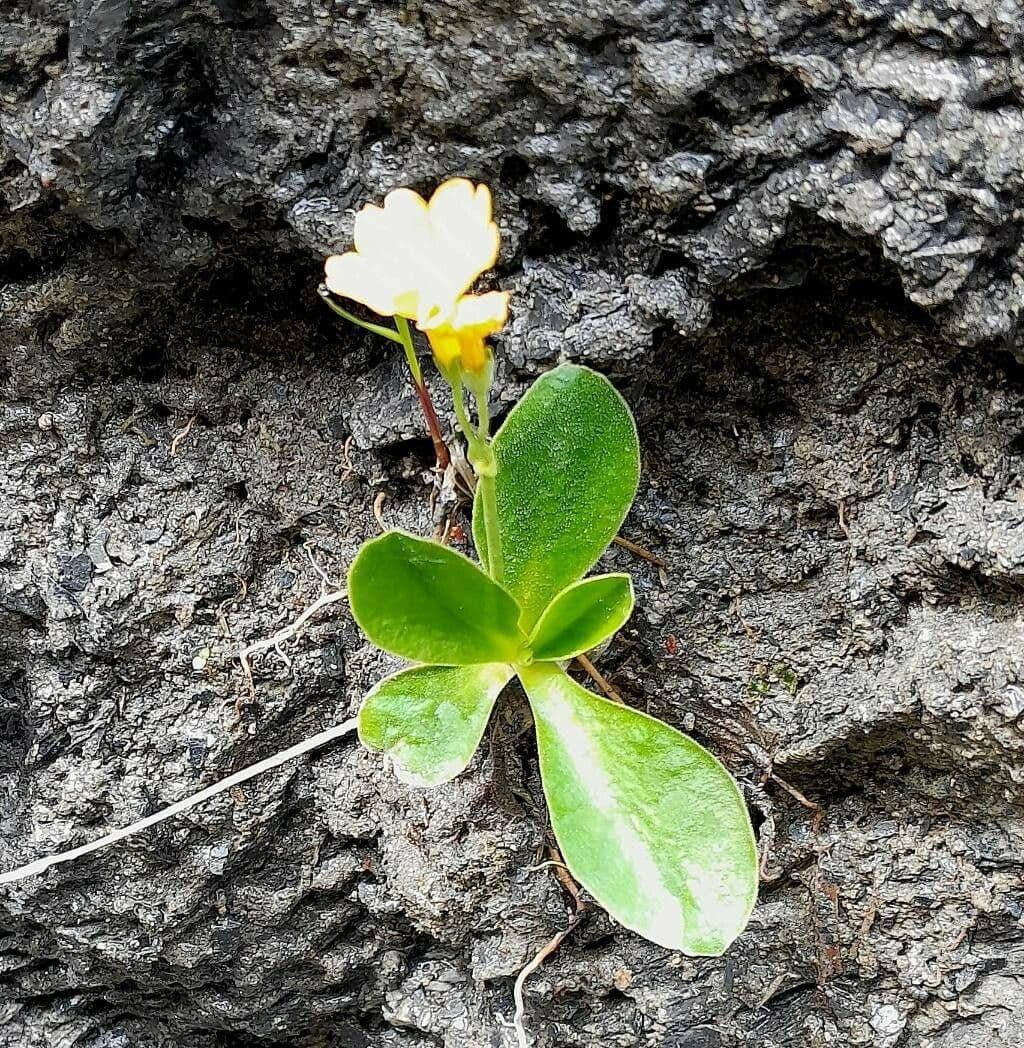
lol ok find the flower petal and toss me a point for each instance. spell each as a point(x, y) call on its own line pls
point(403, 223)
point(466, 239)
point(397, 240)
point(416, 259)
point(452, 198)
point(482, 314)
point(352, 276)
point(461, 336)
point(446, 347)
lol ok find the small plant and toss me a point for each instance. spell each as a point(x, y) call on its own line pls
point(648, 821)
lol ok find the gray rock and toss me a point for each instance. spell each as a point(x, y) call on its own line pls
point(789, 232)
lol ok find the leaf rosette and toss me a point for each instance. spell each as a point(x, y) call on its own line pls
point(648, 821)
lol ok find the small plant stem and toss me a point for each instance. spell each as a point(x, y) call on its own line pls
point(440, 447)
point(481, 457)
point(483, 413)
point(478, 447)
point(377, 329)
point(426, 402)
point(489, 501)
point(405, 337)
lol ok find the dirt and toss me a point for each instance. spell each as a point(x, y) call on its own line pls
point(831, 412)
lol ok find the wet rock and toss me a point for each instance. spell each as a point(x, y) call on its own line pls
point(790, 233)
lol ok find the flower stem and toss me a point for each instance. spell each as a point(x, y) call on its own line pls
point(477, 446)
point(377, 329)
point(405, 337)
point(489, 501)
point(440, 447)
point(483, 414)
point(481, 458)
point(426, 402)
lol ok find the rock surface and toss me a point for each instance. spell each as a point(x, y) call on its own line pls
point(791, 232)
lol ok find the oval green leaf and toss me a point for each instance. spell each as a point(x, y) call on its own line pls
point(430, 719)
point(568, 467)
point(647, 820)
point(425, 602)
point(582, 616)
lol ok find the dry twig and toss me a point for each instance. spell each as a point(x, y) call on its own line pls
point(346, 459)
point(599, 679)
point(640, 551)
point(378, 506)
point(795, 793)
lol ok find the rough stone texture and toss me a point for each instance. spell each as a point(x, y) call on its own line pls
point(790, 231)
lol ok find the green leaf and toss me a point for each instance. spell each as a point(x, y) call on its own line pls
point(647, 821)
point(583, 615)
point(430, 719)
point(427, 603)
point(568, 467)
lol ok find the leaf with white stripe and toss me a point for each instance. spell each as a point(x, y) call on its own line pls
point(430, 719)
point(648, 821)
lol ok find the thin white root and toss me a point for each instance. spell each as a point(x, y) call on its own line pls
point(326, 583)
point(181, 435)
point(517, 993)
point(329, 594)
point(41, 865)
point(547, 865)
point(287, 633)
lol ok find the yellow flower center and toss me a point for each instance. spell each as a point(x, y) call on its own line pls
point(460, 337)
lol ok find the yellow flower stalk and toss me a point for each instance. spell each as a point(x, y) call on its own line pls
point(417, 259)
